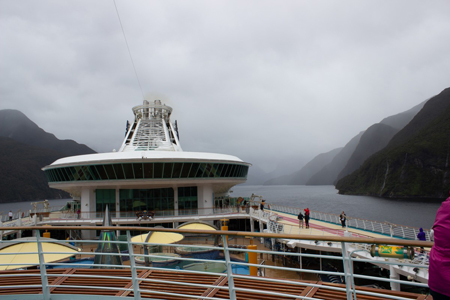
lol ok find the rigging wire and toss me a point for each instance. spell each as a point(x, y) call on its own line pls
point(129, 52)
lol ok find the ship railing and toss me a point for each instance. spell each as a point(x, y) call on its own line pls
point(261, 271)
point(24, 213)
point(385, 228)
point(51, 285)
point(157, 213)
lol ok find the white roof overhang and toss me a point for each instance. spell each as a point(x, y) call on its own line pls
point(144, 156)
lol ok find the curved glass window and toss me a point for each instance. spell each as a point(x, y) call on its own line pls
point(130, 171)
point(149, 199)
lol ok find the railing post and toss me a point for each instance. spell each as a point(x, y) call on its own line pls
point(44, 278)
point(134, 278)
point(231, 290)
point(347, 270)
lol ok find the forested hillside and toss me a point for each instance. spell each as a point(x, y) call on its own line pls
point(415, 163)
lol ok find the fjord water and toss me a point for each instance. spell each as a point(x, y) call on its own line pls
point(415, 213)
point(319, 198)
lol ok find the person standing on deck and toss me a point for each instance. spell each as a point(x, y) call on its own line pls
point(10, 215)
point(343, 218)
point(439, 272)
point(421, 235)
point(300, 219)
point(307, 217)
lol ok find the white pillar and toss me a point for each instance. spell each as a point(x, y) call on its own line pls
point(395, 286)
point(87, 201)
point(261, 229)
point(205, 199)
point(19, 223)
point(88, 210)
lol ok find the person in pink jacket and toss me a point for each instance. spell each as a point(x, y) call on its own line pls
point(439, 272)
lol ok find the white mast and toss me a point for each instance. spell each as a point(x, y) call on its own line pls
point(151, 129)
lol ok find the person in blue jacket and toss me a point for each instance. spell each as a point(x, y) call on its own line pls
point(421, 235)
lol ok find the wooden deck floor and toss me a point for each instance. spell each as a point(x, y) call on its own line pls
point(95, 286)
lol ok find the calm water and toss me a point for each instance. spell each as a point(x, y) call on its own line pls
point(326, 199)
point(320, 198)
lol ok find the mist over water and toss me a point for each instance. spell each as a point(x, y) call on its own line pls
point(326, 199)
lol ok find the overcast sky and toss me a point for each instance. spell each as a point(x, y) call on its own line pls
point(266, 81)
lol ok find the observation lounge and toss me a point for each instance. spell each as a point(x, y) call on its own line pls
point(150, 171)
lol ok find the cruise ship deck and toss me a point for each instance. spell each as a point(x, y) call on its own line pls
point(319, 241)
point(206, 286)
point(125, 233)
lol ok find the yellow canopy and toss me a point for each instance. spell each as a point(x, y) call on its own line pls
point(29, 260)
point(158, 237)
point(199, 226)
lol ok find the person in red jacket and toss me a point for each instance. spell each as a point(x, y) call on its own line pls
point(439, 272)
point(307, 217)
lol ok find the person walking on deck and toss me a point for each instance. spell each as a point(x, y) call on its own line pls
point(343, 218)
point(300, 219)
point(307, 217)
point(10, 215)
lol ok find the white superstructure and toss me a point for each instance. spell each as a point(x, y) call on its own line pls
point(151, 129)
point(150, 171)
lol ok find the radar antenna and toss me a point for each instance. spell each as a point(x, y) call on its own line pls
point(176, 130)
point(127, 127)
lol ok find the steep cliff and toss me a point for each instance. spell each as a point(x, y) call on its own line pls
point(362, 146)
point(24, 150)
point(415, 163)
point(328, 174)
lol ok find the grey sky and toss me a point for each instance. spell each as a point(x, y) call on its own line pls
point(263, 80)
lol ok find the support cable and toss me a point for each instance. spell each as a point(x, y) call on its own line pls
point(129, 52)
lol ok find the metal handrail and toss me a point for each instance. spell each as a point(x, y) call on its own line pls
point(137, 289)
point(388, 229)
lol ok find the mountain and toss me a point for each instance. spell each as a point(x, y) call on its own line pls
point(24, 150)
point(21, 177)
point(302, 176)
point(362, 146)
point(415, 163)
point(375, 138)
point(328, 174)
point(15, 125)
